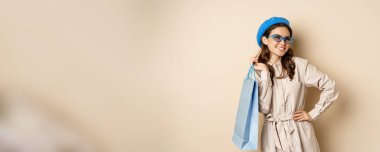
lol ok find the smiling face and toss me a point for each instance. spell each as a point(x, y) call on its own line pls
point(277, 49)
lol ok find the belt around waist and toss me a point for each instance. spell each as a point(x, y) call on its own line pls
point(281, 131)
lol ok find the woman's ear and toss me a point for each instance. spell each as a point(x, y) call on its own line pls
point(264, 40)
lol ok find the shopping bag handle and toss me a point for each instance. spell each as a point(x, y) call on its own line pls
point(252, 69)
point(251, 73)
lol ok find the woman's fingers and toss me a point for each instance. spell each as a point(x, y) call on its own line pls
point(259, 66)
point(305, 119)
point(301, 118)
point(258, 53)
point(299, 115)
point(297, 119)
point(253, 60)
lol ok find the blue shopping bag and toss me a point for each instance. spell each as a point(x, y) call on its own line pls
point(245, 135)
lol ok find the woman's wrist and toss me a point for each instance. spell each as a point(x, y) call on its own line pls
point(265, 69)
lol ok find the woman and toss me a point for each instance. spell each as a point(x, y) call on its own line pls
point(283, 80)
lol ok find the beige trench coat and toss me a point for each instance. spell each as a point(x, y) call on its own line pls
point(280, 132)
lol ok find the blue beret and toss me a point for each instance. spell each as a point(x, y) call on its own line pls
point(267, 24)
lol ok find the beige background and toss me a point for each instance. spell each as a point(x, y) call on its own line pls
point(165, 76)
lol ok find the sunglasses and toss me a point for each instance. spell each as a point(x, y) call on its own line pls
point(278, 38)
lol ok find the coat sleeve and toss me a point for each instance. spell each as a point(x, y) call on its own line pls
point(329, 92)
point(265, 91)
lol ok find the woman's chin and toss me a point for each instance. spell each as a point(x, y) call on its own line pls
point(278, 52)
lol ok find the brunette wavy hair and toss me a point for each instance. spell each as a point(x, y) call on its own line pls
point(288, 65)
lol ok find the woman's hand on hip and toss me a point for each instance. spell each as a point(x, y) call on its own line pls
point(301, 115)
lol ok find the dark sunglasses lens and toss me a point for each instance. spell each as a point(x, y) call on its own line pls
point(276, 38)
point(288, 40)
